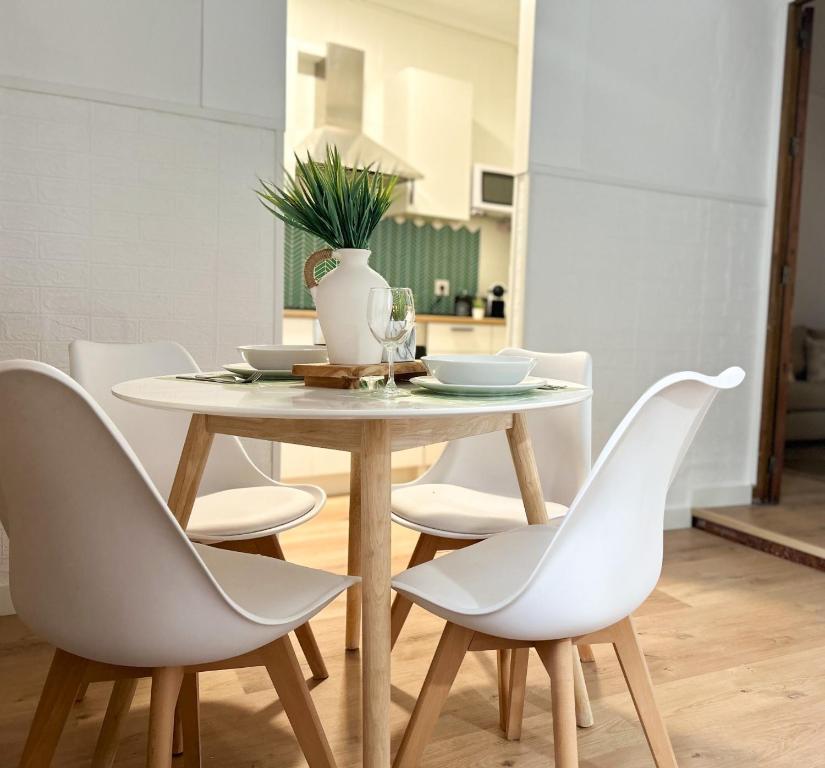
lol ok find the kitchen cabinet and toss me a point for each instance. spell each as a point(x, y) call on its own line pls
point(298, 330)
point(428, 120)
point(465, 338)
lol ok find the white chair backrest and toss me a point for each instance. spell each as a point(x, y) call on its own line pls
point(99, 567)
point(607, 556)
point(156, 435)
point(560, 437)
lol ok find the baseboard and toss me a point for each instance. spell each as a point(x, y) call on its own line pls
point(722, 496)
point(6, 608)
point(677, 517)
point(714, 496)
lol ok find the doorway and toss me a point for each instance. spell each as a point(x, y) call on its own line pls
point(780, 365)
point(788, 514)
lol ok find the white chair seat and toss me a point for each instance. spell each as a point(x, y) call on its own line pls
point(271, 591)
point(244, 513)
point(481, 579)
point(456, 512)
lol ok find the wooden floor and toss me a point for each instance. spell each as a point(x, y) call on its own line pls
point(735, 640)
point(798, 521)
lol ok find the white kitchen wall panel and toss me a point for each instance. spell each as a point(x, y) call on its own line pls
point(150, 48)
point(238, 39)
point(652, 158)
point(131, 136)
point(148, 230)
point(141, 227)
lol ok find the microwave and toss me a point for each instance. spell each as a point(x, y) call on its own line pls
point(492, 190)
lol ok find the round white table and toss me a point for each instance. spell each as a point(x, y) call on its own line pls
point(370, 429)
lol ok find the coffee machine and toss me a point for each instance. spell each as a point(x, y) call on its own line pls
point(495, 300)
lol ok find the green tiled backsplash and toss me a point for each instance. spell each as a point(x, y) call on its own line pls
point(407, 255)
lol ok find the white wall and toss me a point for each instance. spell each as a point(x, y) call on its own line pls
point(652, 155)
point(199, 53)
point(131, 136)
point(809, 289)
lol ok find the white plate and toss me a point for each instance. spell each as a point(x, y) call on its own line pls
point(246, 370)
point(484, 390)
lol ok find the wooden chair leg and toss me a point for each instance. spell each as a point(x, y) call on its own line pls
point(637, 675)
point(352, 637)
point(513, 715)
point(445, 665)
point(166, 682)
point(584, 714)
point(557, 657)
point(312, 653)
point(519, 658)
point(292, 690)
point(59, 692)
point(503, 667)
point(117, 711)
point(81, 692)
point(177, 733)
point(424, 551)
point(586, 654)
point(189, 708)
point(271, 547)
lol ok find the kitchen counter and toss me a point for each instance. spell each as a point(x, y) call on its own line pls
point(450, 319)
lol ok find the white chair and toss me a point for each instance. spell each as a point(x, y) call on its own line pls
point(549, 587)
point(239, 507)
point(471, 493)
point(101, 570)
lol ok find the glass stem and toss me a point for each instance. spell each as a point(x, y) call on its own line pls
point(390, 385)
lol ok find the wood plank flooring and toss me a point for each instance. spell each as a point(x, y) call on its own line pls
point(735, 640)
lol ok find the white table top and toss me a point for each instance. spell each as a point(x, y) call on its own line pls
point(292, 400)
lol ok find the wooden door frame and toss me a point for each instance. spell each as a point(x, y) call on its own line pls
point(784, 251)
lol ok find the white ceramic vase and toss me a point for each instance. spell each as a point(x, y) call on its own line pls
point(341, 300)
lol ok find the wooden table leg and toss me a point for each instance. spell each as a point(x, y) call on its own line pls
point(375, 551)
point(182, 497)
point(192, 462)
point(527, 471)
point(353, 630)
point(529, 482)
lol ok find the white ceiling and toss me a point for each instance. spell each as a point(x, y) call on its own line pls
point(497, 19)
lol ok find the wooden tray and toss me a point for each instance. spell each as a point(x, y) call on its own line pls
point(349, 376)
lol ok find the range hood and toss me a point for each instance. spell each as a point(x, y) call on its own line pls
point(339, 103)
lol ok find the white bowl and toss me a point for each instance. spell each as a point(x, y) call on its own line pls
point(479, 369)
point(281, 357)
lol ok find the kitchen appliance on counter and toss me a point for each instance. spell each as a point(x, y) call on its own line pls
point(495, 300)
point(463, 304)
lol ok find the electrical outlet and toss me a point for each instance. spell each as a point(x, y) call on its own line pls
point(442, 287)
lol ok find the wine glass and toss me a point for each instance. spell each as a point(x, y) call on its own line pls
point(391, 317)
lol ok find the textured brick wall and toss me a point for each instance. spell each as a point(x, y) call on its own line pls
point(123, 224)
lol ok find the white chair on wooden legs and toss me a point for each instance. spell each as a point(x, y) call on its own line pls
point(471, 493)
point(550, 587)
point(101, 569)
point(239, 507)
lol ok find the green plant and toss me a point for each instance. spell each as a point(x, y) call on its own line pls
point(479, 302)
point(341, 206)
